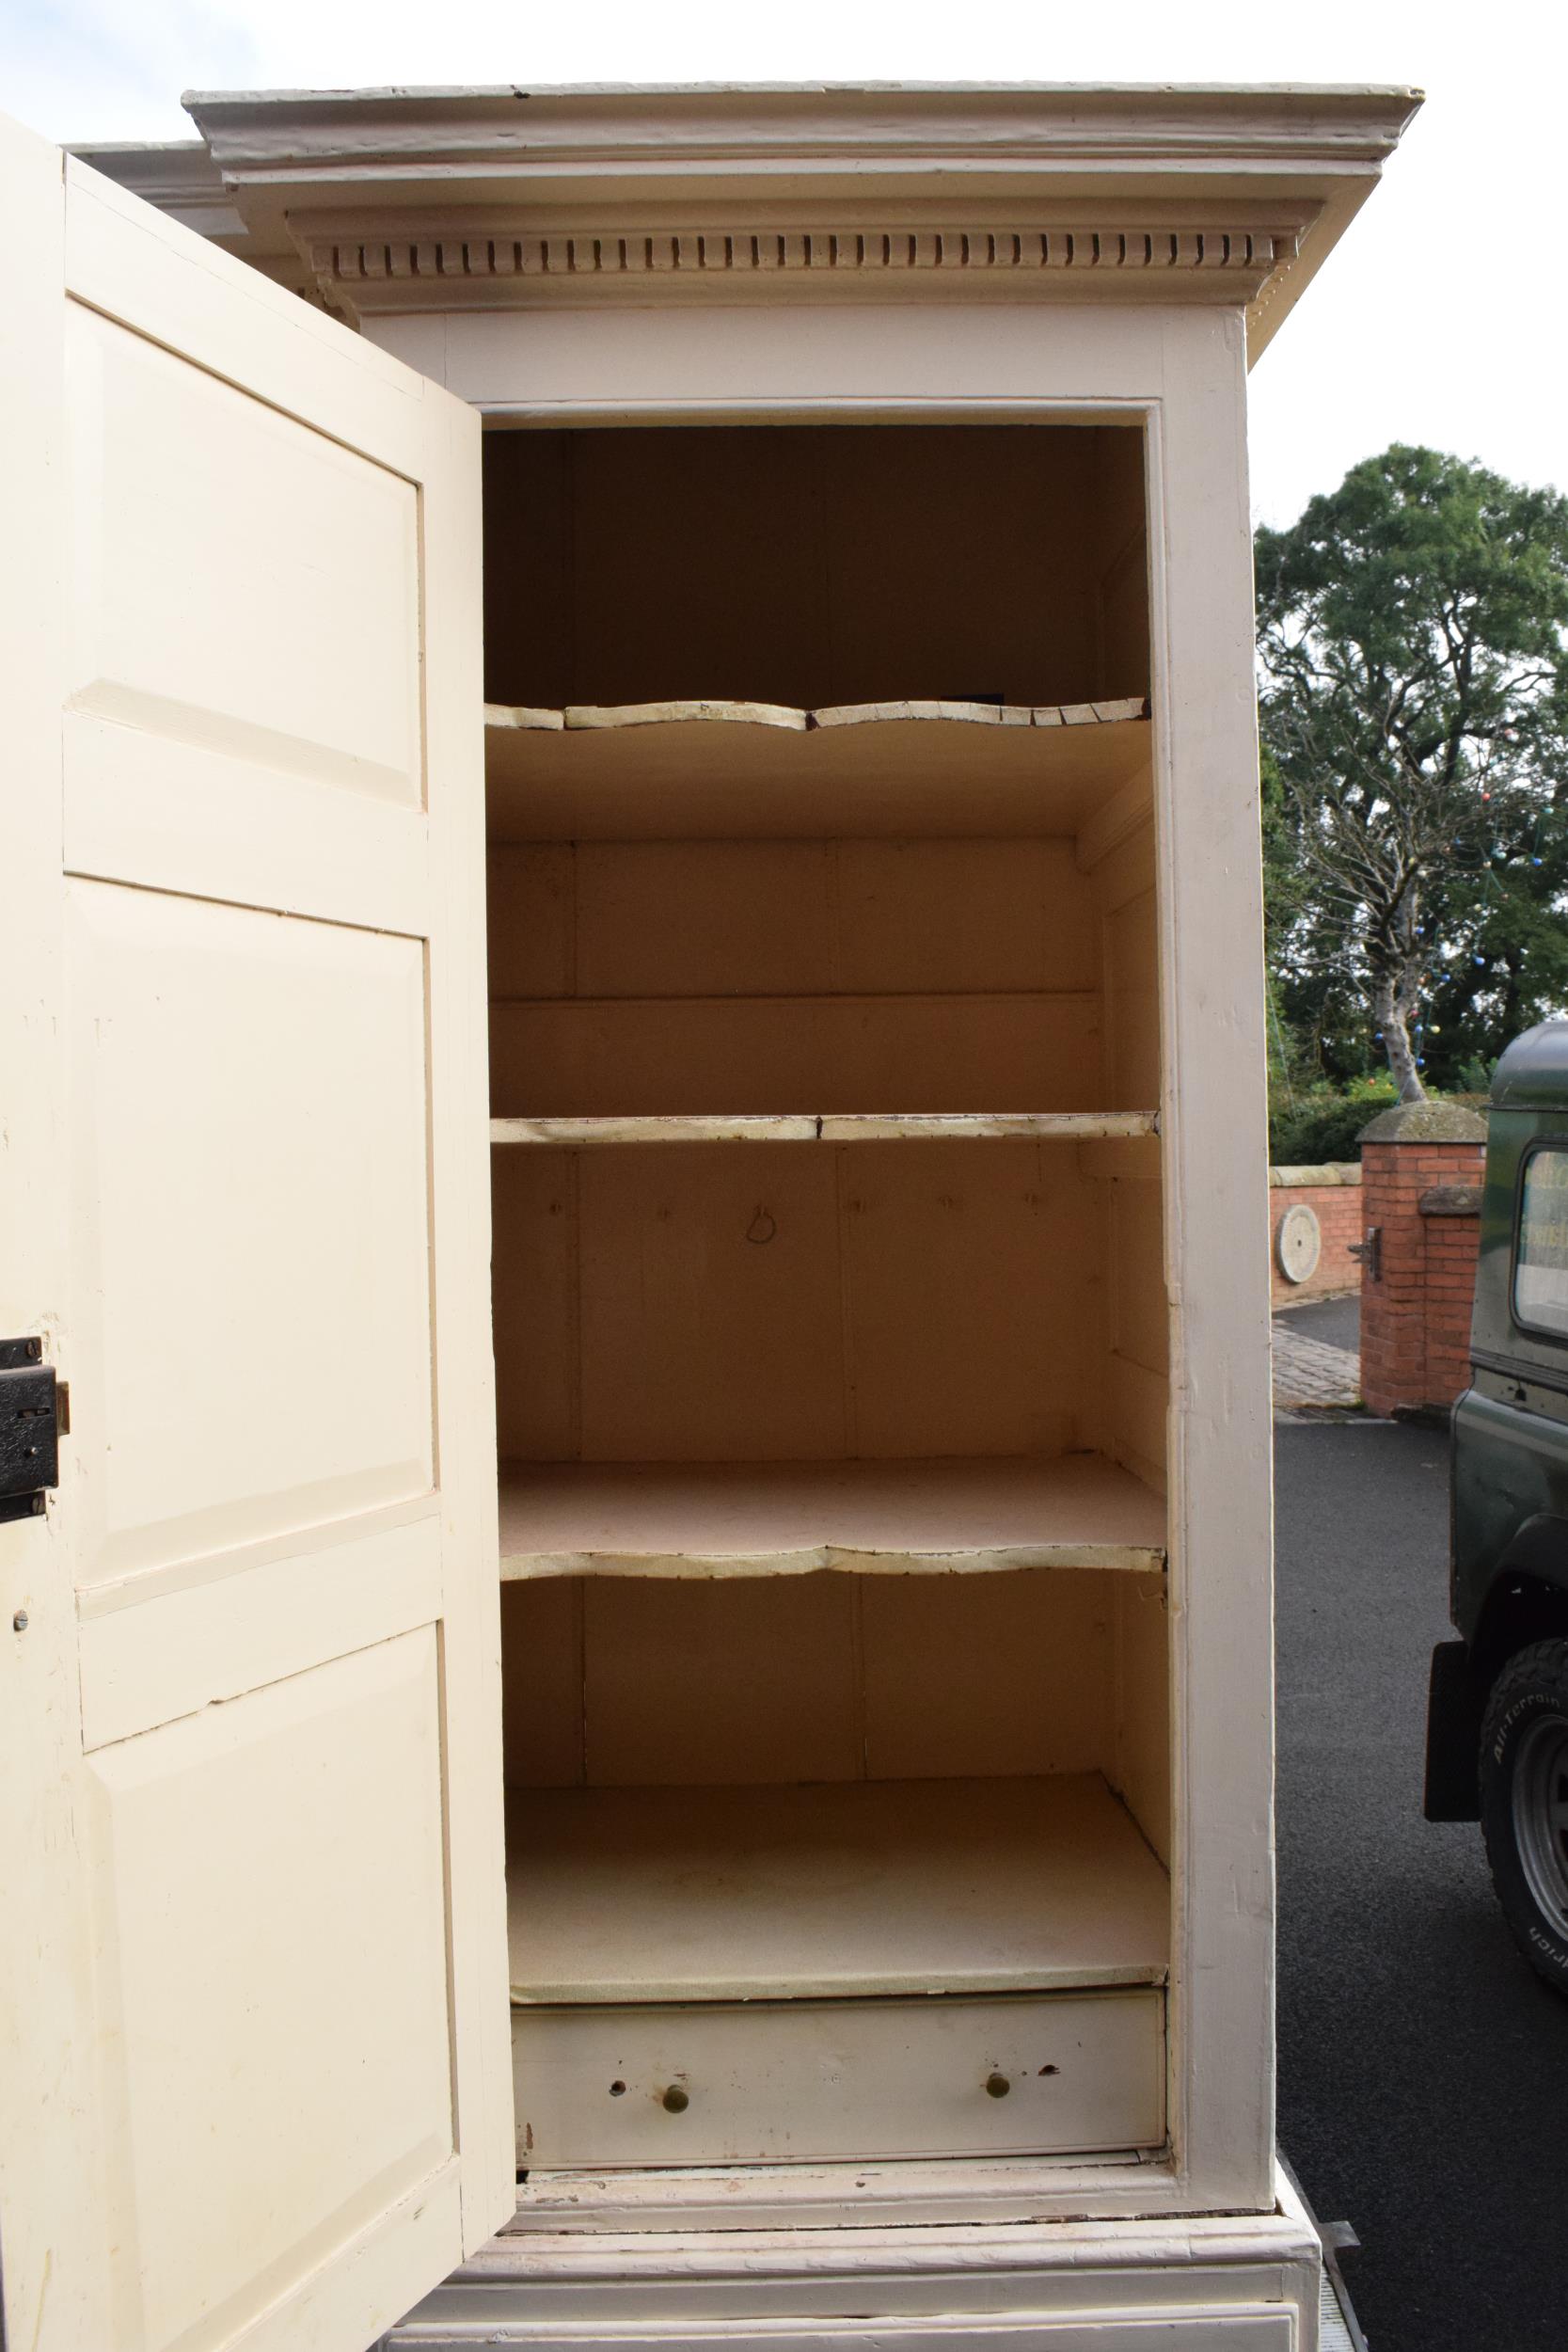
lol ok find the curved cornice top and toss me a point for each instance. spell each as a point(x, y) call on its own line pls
point(398, 200)
point(1111, 117)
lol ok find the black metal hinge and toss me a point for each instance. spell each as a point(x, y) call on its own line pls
point(29, 1428)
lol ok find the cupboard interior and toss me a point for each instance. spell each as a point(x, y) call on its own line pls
point(816, 565)
point(835, 1651)
point(862, 1735)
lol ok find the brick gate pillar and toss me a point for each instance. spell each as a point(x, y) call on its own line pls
point(1420, 1226)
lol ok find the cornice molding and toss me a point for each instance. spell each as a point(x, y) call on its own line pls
point(464, 132)
point(179, 177)
point(470, 266)
point(377, 201)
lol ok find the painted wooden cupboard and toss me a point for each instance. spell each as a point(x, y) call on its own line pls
point(634, 1113)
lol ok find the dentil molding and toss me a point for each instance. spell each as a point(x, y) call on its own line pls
point(472, 267)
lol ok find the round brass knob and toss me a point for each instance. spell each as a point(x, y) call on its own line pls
point(676, 2101)
point(997, 2086)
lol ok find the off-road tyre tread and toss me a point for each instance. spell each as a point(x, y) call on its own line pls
point(1534, 1681)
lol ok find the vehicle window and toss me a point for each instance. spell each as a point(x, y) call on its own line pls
point(1541, 1261)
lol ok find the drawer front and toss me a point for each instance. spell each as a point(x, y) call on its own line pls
point(771, 2081)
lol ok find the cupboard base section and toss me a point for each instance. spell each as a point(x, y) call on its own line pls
point(1211, 2283)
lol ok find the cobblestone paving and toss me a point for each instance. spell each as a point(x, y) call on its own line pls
point(1308, 1373)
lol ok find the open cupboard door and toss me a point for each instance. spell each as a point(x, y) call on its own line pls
point(254, 2079)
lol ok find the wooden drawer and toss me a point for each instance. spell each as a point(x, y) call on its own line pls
point(776, 2081)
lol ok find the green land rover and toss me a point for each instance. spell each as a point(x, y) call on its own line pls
point(1497, 1715)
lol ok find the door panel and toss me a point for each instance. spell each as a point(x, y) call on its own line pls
point(258, 2092)
point(147, 809)
point(270, 1916)
point(216, 1627)
point(280, 617)
point(250, 1123)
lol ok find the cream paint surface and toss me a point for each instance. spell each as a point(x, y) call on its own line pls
point(909, 916)
point(759, 1055)
point(759, 1897)
point(263, 2093)
point(268, 1076)
point(733, 1518)
point(234, 2021)
point(1140, 1769)
point(727, 1303)
point(900, 1885)
point(219, 1626)
point(144, 808)
point(1187, 368)
point(890, 911)
point(766, 1681)
point(892, 775)
point(793, 2083)
point(265, 533)
point(835, 1127)
point(957, 980)
point(1095, 2281)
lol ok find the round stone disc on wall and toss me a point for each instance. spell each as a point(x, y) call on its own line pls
point(1298, 1243)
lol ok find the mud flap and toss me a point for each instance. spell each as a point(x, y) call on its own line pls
point(1453, 1738)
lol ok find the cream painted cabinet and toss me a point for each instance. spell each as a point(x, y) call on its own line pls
point(735, 1739)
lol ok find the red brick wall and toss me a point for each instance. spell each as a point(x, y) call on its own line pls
point(1337, 1205)
point(1415, 1317)
point(1452, 1247)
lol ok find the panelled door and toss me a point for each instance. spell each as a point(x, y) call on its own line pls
point(254, 2078)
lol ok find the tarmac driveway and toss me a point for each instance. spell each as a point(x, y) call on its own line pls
point(1423, 2070)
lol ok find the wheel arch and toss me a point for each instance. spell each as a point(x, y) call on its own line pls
point(1527, 1599)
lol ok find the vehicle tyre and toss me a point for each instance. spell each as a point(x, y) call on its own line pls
point(1524, 1803)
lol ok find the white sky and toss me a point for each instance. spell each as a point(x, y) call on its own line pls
point(1441, 318)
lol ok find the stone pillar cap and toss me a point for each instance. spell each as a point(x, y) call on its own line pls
point(1425, 1122)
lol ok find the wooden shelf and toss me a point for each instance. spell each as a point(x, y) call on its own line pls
point(783, 1519)
point(833, 1890)
point(759, 771)
point(834, 1127)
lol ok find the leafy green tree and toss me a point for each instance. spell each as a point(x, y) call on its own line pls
point(1414, 702)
